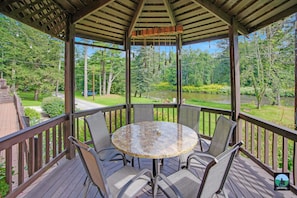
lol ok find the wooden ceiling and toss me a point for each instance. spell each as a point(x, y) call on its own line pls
point(111, 20)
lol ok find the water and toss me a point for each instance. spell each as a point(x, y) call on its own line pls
point(223, 99)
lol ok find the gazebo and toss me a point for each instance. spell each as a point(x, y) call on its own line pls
point(178, 22)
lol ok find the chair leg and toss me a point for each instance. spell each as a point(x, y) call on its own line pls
point(124, 160)
point(87, 187)
point(85, 180)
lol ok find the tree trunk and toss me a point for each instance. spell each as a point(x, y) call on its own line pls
point(109, 82)
point(104, 78)
point(36, 95)
point(86, 73)
point(57, 85)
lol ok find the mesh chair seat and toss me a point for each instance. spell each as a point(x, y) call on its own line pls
point(117, 181)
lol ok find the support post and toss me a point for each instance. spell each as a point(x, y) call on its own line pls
point(295, 72)
point(178, 70)
point(69, 77)
point(234, 79)
point(128, 78)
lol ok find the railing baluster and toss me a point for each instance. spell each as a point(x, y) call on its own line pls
point(8, 167)
point(294, 163)
point(47, 146)
point(31, 161)
point(54, 140)
point(285, 154)
point(21, 163)
point(259, 141)
point(274, 152)
point(252, 138)
point(246, 126)
point(266, 147)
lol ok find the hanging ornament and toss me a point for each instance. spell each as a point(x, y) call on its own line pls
point(133, 53)
point(159, 55)
point(170, 53)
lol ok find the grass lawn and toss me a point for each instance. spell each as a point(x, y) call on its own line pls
point(281, 115)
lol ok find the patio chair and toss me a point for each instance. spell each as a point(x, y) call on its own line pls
point(184, 183)
point(219, 143)
point(143, 112)
point(101, 139)
point(125, 182)
point(189, 116)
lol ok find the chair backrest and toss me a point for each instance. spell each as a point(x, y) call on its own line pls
point(216, 172)
point(189, 116)
point(221, 137)
point(92, 165)
point(143, 112)
point(98, 130)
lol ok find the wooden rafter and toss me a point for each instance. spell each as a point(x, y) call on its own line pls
point(220, 14)
point(135, 17)
point(91, 8)
point(170, 12)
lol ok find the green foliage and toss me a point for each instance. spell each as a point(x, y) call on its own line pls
point(4, 187)
point(53, 106)
point(33, 115)
point(164, 86)
point(30, 59)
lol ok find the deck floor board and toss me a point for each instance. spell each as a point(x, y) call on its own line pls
point(246, 179)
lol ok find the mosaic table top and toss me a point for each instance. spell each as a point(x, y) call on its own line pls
point(155, 139)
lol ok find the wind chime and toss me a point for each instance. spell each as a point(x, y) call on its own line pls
point(158, 31)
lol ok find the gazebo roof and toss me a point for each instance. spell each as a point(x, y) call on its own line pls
point(110, 20)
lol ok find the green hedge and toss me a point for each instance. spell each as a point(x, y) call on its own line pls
point(53, 106)
point(219, 89)
point(33, 115)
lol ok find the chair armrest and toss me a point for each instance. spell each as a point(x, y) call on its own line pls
point(136, 177)
point(107, 148)
point(168, 182)
point(197, 156)
point(114, 154)
point(203, 143)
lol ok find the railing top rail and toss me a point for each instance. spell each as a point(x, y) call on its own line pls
point(22, 135)
point(104, 109)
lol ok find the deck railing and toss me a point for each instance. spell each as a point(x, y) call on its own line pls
point(271, 146)
point(30, 152)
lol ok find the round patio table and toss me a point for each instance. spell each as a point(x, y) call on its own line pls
point(154, 140)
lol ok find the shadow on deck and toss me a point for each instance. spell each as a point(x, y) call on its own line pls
point(245, 179)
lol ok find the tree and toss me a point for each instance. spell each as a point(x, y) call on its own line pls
point(30, 59)
point(145, 70)
point(266, 63)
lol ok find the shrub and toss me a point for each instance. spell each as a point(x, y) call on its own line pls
point(53, 106)
point(4, 187)
point(33, 115)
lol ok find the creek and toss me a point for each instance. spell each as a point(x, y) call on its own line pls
point(224, 99)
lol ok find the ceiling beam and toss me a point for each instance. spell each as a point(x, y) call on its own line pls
point(170, 12)
point(93, 7)
point(220, 14)
point(135, 17)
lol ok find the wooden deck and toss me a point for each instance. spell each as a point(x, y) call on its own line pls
point(66, 179)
